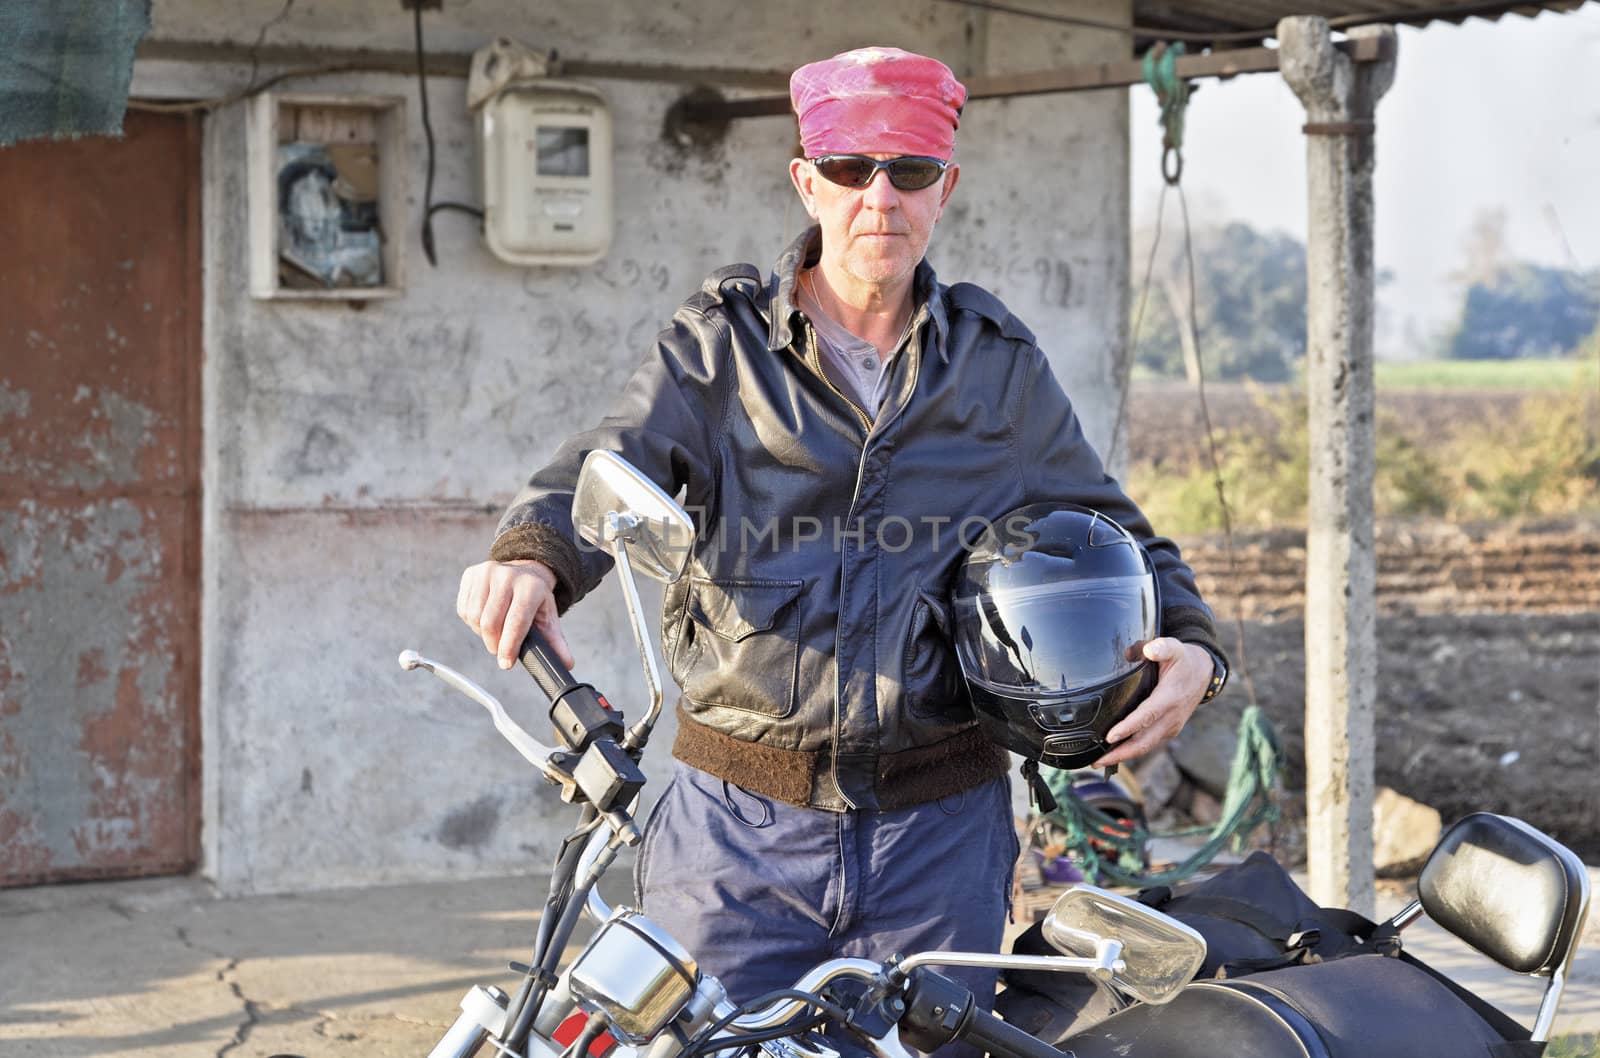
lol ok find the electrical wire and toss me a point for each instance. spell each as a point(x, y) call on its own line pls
point(792, 1027)
point(546, 969)
point(252, 87)
point(828, 1009)
point(530, 995)
point(1351, 21)
point(1125, 368)
point(1192, 324)
point(247, 92)
point(591, 1032)
point(1241, 665)
point(617, 70)
point(429, 207)
point(1047, 16)
point(261, 38)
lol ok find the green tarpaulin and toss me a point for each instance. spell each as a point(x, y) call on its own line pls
point(65, 66)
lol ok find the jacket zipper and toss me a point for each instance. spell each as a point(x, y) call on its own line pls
point(816, 365)
point(814, 360)
point(861, 468)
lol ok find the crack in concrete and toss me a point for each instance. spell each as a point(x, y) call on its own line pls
point(321, 1029)
point(327, 1019)
point(252, 1010)
point(406, 1019)
point(183, 938)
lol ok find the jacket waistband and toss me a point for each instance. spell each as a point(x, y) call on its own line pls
point(804, 778)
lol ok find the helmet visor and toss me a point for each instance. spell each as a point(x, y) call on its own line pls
point(1056, 638)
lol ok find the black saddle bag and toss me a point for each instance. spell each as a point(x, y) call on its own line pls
point(1252, 915)
point(1255, 918)
point(1256, 921)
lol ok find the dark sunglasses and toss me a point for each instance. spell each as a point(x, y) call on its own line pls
point(908, 173)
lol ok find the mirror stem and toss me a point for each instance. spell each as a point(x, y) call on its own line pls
point(1106, 960)
point(639, 733)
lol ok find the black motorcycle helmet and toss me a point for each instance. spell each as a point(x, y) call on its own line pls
point(1053, 606)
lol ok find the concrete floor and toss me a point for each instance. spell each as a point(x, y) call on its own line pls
point(161, 968)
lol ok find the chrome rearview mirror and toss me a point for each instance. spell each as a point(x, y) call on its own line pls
point(615, 502)
point(1159, 953)
point(619, 510)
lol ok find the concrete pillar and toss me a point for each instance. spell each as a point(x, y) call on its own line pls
point(1341, 643)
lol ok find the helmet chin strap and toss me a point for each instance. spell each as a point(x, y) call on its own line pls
point(1044, 802)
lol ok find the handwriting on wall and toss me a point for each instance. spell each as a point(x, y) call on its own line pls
point(623, 274)
point(328, 392)
point(1046, 280)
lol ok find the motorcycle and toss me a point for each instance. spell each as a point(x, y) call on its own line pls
point(634, 992)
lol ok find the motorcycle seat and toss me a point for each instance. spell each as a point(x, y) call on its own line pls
point(1373, 1006)
point(1203, 1019)
point(1362, 1006)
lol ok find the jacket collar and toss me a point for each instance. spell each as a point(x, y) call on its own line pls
point(804, 251)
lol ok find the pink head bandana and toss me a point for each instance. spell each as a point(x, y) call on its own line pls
point(877, 101)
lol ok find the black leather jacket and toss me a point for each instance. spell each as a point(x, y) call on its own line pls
point(810, 635)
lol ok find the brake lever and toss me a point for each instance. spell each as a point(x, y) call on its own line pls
point(537, 753)
point(603, 775)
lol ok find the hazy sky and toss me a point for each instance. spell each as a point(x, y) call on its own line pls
point(1482, 116)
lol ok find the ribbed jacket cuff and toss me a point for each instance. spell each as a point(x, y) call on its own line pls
point(545, 544)
point(1191, 624)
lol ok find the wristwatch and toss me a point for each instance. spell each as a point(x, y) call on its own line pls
point(1219, 674)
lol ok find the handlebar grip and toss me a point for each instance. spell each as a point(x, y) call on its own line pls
point(539, 658)
point(987, 1032)
point(579, 714)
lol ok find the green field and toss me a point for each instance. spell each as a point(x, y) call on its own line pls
point(1489, 374)
point(1584, 1046)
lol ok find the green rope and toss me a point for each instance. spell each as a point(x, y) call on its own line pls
point(1247, 804)
point(1172, 92)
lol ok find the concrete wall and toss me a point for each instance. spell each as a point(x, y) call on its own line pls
point(356, 458)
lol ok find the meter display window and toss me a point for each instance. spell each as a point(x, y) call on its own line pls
point(562, 151)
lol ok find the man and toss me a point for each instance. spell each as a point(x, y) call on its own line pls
point(839, 427)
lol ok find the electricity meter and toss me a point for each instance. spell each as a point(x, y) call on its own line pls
point(545, 155)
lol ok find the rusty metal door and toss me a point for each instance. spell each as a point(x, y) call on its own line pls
point(99, 504)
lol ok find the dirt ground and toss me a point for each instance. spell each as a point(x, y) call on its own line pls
point(1493, 712)
point(1488, 689)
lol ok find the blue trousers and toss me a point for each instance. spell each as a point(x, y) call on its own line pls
point(760, 891)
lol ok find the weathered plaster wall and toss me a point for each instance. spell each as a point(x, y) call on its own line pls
point(356, 459)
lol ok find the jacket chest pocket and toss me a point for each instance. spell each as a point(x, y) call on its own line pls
point(930, 674)
point(739, 647)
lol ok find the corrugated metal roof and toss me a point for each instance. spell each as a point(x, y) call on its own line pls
point(1248, 22)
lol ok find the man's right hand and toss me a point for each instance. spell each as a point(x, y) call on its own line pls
point(500, 601)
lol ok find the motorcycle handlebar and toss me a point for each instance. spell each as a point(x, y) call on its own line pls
point(813, 981)
point(579, 714)
point(989, 1033)
point(539, 658)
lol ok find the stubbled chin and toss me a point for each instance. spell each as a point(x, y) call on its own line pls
point(881, 269)
point(882, 248)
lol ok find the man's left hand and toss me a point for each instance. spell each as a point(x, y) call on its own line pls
point(1185, 672)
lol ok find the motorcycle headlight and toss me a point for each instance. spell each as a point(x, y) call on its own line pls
point(634, 974)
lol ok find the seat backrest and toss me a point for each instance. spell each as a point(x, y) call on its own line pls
point(1513, 893)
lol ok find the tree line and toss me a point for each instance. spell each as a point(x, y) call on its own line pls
point(1248, 305)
